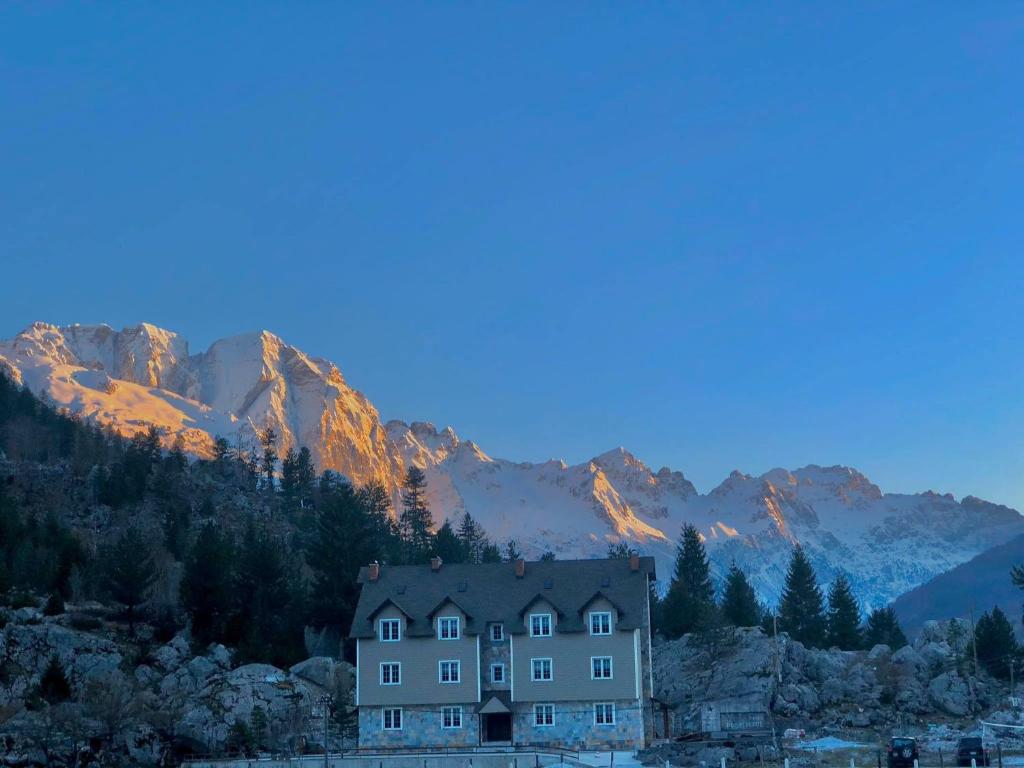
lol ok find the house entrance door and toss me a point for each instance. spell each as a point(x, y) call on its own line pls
point(497, 727)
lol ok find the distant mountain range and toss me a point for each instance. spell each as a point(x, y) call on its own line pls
point(977, 585)
point(887, 543)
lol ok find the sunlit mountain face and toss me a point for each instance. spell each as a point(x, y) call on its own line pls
point(129, 379)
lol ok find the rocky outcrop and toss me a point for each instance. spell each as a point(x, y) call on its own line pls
point(141, 710)
point(746, 670)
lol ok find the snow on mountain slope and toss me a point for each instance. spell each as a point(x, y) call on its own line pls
point(887, 543)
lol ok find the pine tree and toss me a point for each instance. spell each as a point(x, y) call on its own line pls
point(268, 439)
point(801, 611)
point(207, 585)
point(416, 523)
point(619, 551)
point(843, 617)
point(344, 537)
point(512, 552)
point(449, 547)
point(739, 602)
point(548, 556)
point(305, 474)
point(997, 646)
point(130, 572)
point(490, 553)
point(54, 687)
point(221, 450)
point(883, 628)
point(473, 538)
point(289, 479)
point(689, 605)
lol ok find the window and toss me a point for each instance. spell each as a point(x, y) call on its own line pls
point(600, 667)
point(449, 671)
point(391, 719)
point(543, 715)
point(448, 628)
point(540, 669)
point(540, 625)
point(604, 714)
point(601, 623)
point(451, 717)
point(497, 673)
point(390, 630)
point(497, 632)
point(390, 673)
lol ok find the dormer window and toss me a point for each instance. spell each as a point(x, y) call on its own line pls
point(390, 630)
point(540, 625)
point(601, 623)
point(497, 633)
point(448, 628)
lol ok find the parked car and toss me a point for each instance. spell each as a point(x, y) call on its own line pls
point(971, 748)
point(902, 751)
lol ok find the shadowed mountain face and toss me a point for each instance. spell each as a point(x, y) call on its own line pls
point(978, 584)
point(128, 379)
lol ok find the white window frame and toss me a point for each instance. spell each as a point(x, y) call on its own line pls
point(502, 668)
point(384, 719)
point(398, 668)
point(453, 664)
point(607, 708)
point(397, 624)
point(499, 630)
point(541, 624)
point(595, 615)
point(447, 622)
point(549, 715)
point(611, 668)
point(533, 670)
point(451, 718)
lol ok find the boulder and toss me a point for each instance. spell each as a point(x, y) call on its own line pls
point(950, 693)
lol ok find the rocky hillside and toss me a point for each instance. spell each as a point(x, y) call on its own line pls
point(889, 543)
point(823, 691)
point(146, 701)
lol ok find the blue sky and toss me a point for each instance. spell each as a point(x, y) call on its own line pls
point(724, 237)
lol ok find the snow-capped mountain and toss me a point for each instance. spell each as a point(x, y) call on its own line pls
point(887, 543)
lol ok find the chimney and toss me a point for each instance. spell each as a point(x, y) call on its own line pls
point(634, 561)
point(435, 563)
point(374, 570)
point(520, 568)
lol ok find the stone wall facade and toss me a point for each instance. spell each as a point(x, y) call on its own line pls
point(421, 727)
point(574, 727)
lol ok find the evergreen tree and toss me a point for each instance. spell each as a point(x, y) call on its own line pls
point(490, 553)
point(416, 523)
point(619, 551)
point(345, 536)
point(689, 605)
point(268, 439)
point(221, 450)
point(548, 556)
point(207, 585)
point(801, 611)
point(739, 602)
point(512, 551)
point(54, 687)
point(883, 628)
point(177, 519)
point(305, 475)
point(289, 479)
point(473, 539)
point(843, 619)
point(130, 572)
point(449, 547)
point(376, 502)
point(997, 646)
point(269, 601)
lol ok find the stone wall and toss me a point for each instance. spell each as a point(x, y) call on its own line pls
point(574, 727)
point(421, 727)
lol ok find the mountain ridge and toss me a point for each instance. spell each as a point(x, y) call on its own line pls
point(888, 543)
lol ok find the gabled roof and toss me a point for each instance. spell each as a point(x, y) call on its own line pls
point(541, 598)
point(491, 592)
point(445, 601)
point(384, 604)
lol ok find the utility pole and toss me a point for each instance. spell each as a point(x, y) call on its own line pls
point(325, 702)
point(775, 637)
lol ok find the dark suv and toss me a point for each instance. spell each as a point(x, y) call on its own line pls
point(971, 748)
point(902, 751)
